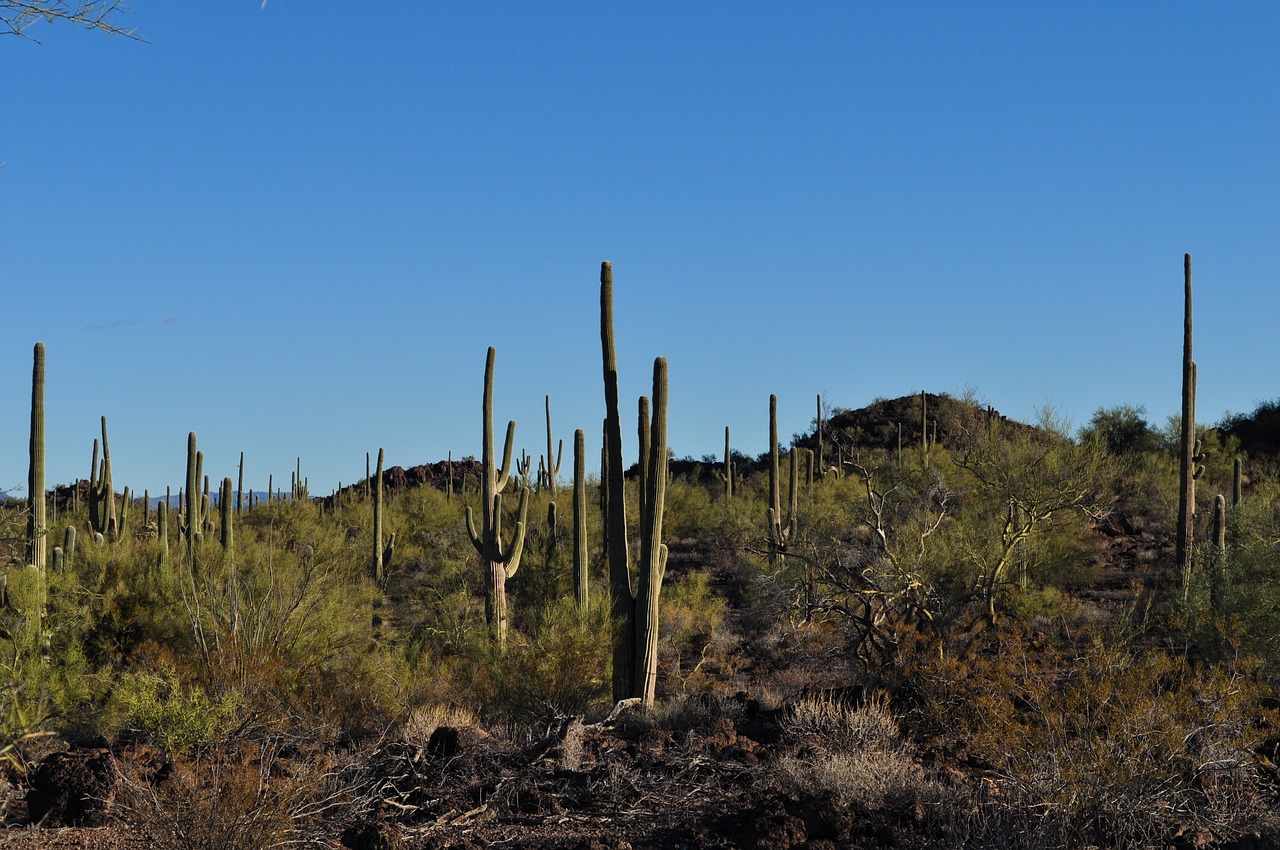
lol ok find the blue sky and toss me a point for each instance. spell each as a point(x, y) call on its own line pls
point(295, 229)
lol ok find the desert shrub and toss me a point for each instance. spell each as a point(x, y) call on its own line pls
point(242, 797)
point(179, 717)
point(1234, 599)
point(836, 725)
point(425, 719)
point(691, 618)
point(858, 757)
point(561, 669)
point(1115, 747)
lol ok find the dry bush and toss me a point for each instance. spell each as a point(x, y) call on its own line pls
point(424, 720)
point(856, 757)
point(242, 798)
point(1112, 748)
point(835, 725)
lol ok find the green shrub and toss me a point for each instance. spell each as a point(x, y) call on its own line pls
point(179, 717)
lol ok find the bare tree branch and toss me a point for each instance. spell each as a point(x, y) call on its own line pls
point(17, 15)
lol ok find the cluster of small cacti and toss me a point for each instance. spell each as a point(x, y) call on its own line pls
point(102, 498)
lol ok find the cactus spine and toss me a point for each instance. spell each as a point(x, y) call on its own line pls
point(501, 561)
point(37, 530)
point(1186, 453)
point(636, 617)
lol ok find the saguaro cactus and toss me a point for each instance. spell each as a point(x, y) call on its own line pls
point(780, 529)
point(552, 466)
point(37, 544)
point(377, 524)
point(821, 470)
point(580, 565)
point(1186, 453)
point(728, 466)
point(501, 561)
point(636, 616)
point(225, 506)
point(191, 517)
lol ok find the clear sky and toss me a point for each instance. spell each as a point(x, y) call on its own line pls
point(295, 229)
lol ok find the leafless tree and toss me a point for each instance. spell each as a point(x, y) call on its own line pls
point(17, 15)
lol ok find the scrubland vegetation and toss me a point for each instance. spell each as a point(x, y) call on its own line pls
point(925, 625)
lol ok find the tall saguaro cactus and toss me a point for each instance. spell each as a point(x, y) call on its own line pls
point(1186, 448)
point(377, 524)
point(635, 661)
point(225, 506)
point(191, 518)
point(821, 471)
point(553, 464)
point(580, 575)
point(780, 529)
point(37, 524)
point(653, 552)
point(501, 561)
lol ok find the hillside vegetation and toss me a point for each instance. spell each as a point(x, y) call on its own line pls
point(920, 624)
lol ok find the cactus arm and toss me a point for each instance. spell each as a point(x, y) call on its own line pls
point(471, 532)
point(517, 545)
point(504, 474)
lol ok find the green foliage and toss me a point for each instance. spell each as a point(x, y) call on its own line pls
point(561, 669)
point(1123, 429)
point(179, 717)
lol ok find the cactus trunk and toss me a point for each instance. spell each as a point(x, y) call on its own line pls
point(37, 542)
point(1186, 453)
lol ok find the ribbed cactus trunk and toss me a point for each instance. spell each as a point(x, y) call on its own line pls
point(779, 528)
point(240, 483)
point(110, 519)
point(818, 456)
point(636, 615)
point(614, 487)
point(162, 532)
point(653, 552)
point(37, 520)
point(1186, 446)
point(553, 464)
point(728, 466)
point(191, 518)
point(501, 561)
point(581, 582)
point(225, 506)
point(377, 524)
